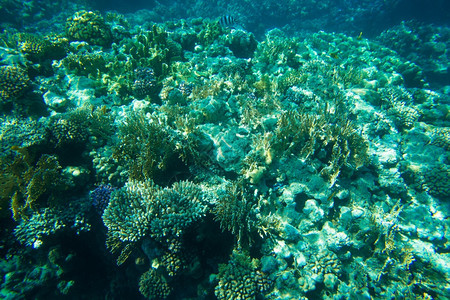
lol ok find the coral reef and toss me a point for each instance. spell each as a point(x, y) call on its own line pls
point(145, 82)
point(47, 222)
point(216, 161)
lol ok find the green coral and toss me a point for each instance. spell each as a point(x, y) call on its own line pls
point(27, 181)
point(147, 145)
point(153, 285)
point(14, 82)
point(241, 278)
point(303, 134)
point(154, 49)
point(232, 209)
point(90, 27)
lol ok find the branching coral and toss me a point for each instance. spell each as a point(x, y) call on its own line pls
point(153, 285)
point(147, 146)
point(90, 27)
point(305, 135)
point(52, 220)
point(232, 209)
point(142, 209)
point(14, 82)
point(241, 278)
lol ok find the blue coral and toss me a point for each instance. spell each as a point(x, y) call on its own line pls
point(100, 197)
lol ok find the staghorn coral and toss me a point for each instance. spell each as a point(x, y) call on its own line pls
point(14, 82)
point(241, 278)
point(90, 27)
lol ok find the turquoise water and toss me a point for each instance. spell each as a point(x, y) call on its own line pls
point(212, 150)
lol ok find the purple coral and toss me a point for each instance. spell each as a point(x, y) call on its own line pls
point(100, 197)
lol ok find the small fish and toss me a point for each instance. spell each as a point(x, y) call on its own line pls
point(334, 55)
point(227, 21)
point(359, 36)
